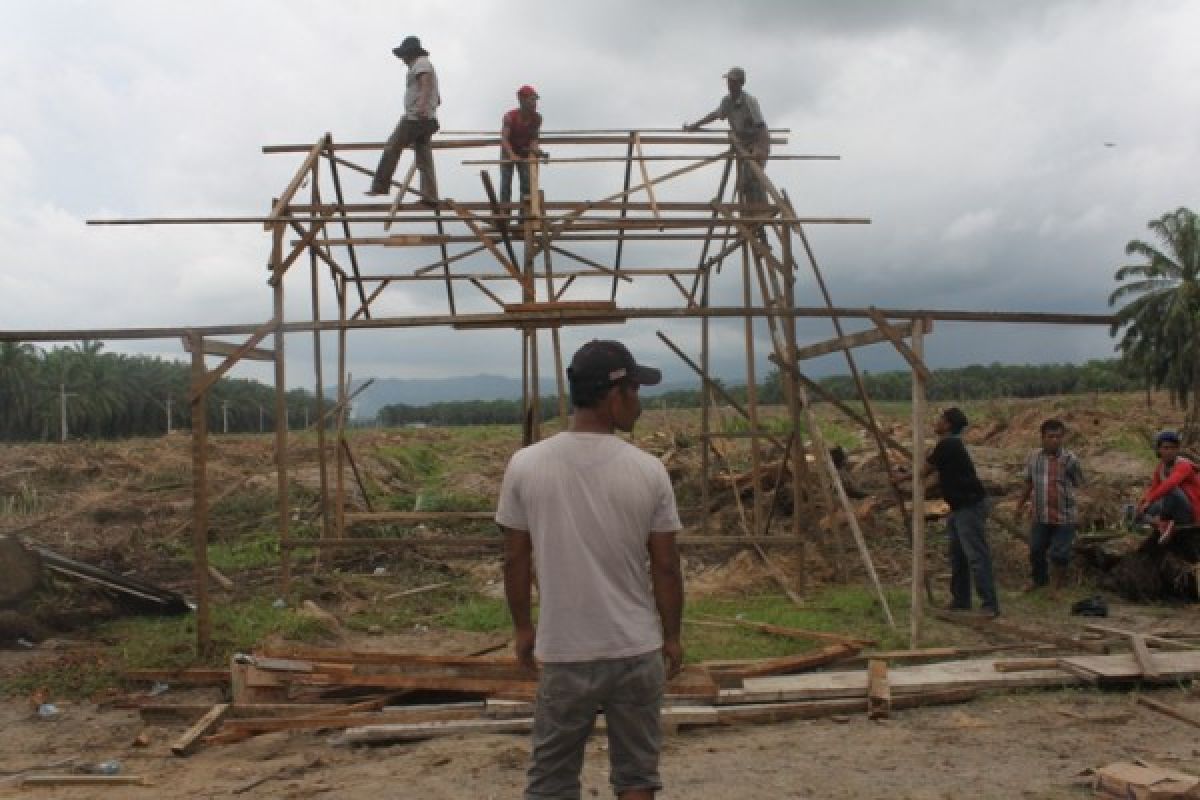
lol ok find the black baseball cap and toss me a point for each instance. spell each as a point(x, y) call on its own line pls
point(604, 362)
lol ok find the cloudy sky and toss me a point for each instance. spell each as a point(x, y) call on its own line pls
point(972, 134)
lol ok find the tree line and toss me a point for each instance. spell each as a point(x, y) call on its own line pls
point(964, 383)
point(111, 395)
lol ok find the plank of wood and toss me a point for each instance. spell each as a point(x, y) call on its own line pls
point(416, 715)
point(192, 676)
point(186, 743)
point(1144, 658)
point(1025, 664)
point(84, 780)
point(1160, 641)
point(897, 340)
point(879, 694)
point(967, 674)
point(1170, 711)
point(860, 339)
point(789, 664)
point(815, 709)
point(427, 730)
point(1124, 668)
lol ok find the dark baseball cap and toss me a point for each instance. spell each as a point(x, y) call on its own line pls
point(604, 362)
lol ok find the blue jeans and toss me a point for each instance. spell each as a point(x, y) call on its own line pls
point(506, 175)
point(971, 557)
point(1173, 505)
point(1050, 540)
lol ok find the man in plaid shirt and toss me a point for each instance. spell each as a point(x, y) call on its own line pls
point(1052, 475)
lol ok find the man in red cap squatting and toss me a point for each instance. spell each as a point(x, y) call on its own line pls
point(417, 126)
point(519, 133)
point(1173, 497)
point(589, 509)
point(749, 128)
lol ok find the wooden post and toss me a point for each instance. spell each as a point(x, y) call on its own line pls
point(199, 403)
point(340, 431)
point(281, 420)
point(322, 460)
point(918, 490)
point(752, 397)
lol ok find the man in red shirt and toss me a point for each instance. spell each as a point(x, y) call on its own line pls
point(519, 133)
point(1174, 493)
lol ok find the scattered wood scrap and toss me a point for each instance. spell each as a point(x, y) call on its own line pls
point(1141, 779)
point(84, 780)
point(879, 694)
point(1170, 711)
point(1123, 668)
point(185, 744)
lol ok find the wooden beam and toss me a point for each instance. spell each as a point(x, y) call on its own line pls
point(314, 152)
point(897, 340)
point(84, 780)
point(187, 743)
point(1170, 711)
point(211, 377)
point(1144, 657)
point(214, 348)
point(879, 694)
point(421, 321)
point(860, 339)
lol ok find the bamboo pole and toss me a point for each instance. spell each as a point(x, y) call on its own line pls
point(340, 429)
point(199, 410)
point(918, 489)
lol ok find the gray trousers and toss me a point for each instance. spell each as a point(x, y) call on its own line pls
point(417, 134)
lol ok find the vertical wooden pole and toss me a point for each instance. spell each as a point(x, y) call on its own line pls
point(199, 403)
point(318, 371)
point(705, 415)
point(281, 433)
point(340, 429)
point(918, 488)
point(752, 396)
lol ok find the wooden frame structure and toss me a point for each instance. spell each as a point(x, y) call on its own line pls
point(519, 250)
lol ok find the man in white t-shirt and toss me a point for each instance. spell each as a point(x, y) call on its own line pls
point(590, 510)
point(418, 125)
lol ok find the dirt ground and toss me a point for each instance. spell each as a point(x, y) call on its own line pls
point(126, 506)
point(1037, 745)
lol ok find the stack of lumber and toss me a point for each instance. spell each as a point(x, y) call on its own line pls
point(375, 697)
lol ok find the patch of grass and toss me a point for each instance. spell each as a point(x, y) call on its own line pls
point(169, 642)
point(258, 549)
point(846, 610)
point(416, 463)
point(26, 501)
point(1134, 443)
point(479, 614)
point(73, 676)
point(161, 643)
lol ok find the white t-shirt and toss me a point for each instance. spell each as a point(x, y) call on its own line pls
point(420, 66)
point(590, 502)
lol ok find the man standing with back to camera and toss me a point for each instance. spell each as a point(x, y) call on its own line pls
point(589, 509)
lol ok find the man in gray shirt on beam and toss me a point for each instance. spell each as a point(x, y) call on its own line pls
point(749, 129)
point(418, 125)
point(589, 510)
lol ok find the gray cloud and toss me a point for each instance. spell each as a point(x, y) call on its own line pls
point(971, 134)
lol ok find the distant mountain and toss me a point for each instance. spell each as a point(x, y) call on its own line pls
point(387, 391)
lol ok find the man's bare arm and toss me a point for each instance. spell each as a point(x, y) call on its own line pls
point(518, 582)
point(425, 95)
point(667, 579)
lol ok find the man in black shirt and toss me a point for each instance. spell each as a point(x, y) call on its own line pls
point(970, 555)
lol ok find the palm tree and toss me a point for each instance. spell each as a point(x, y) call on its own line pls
point(1161, 311)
